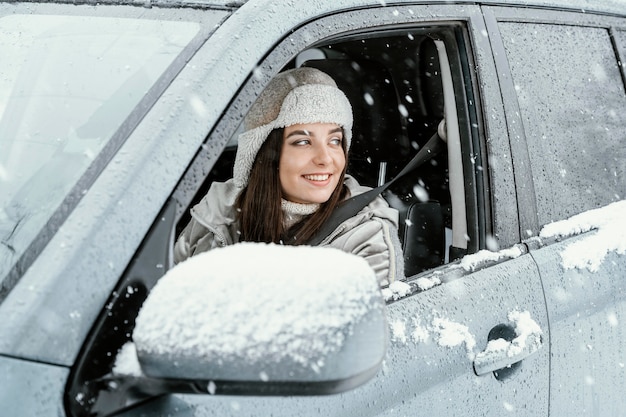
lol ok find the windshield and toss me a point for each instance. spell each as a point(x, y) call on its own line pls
point(67, 83)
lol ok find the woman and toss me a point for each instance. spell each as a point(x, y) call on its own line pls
point(289, 175)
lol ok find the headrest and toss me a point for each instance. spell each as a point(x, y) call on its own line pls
point(379, 127)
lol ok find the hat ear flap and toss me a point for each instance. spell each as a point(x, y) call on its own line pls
point(249, 144)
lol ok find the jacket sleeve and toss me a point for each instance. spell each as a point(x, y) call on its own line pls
point(211, 222)
point(377, 242)
point(194, 238)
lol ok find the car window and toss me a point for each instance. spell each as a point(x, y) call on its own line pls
point(67, 85)
point(393, 80)
point(570, 128)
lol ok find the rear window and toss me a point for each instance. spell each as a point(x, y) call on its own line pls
point(67, 83)
point(571, 95)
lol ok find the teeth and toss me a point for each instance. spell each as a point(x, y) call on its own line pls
point(317, 177)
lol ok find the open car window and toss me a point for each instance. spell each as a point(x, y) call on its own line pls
point(396, 81)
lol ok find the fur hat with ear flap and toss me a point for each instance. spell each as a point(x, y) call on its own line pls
point(298, 96)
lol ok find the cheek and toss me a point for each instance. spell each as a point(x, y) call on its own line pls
point(286, 162)
point(294, 160)
point(287, 167)
point(340, 160)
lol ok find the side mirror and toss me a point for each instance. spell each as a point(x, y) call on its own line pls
point(264, 319)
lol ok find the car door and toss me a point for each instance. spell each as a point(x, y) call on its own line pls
point(577, 165)
point(442, 319)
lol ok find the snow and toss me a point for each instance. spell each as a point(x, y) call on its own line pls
point(400, 289)
point(420, 333)
point(398, 331)
point(211, 388)
point(256, 303)
point(508, 406)
point(525, 327)
point(589, 253)
point(480, 258)
point(612, 319)
point(608, 221)
point(396, 290)
point(426, 283)
point(451, 334)
point(527, 341)
point(126, 362)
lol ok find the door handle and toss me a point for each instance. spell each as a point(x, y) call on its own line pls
point(505, 348)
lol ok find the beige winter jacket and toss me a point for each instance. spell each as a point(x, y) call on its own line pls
point(371, 234)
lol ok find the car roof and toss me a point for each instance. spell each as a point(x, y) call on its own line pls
point(198, 4)
point(617, 7)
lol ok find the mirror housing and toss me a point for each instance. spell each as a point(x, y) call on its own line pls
point(264, 319)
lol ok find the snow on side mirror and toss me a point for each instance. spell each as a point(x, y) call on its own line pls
point(264, 319)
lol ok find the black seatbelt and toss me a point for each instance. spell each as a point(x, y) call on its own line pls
point(353, 205)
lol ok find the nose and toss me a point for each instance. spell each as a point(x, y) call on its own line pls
point(322, 155)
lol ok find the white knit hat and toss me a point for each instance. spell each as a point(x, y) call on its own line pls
point(298, 96)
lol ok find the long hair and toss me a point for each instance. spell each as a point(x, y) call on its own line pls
point(259, 204)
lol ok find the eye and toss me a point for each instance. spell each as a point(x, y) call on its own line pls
point(301, 142)
point(336, 141)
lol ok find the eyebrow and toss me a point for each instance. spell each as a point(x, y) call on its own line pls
point(307, 133)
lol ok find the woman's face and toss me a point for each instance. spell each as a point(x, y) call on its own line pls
point(311, 162)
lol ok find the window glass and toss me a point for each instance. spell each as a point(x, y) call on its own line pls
point(573, 107)
point(66, 85)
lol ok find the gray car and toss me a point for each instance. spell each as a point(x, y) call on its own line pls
point(116, 116)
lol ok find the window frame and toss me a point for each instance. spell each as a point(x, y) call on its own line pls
point(525, 189)
point(335, 27)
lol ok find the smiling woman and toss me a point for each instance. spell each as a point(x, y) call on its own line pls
point(290, 175)
point(312, 163)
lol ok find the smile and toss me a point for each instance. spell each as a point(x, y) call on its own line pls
point(318, 177)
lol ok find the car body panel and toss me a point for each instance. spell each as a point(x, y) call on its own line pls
point(429, 367)
point(50, 311)
point(586, 309)
point(43, 381)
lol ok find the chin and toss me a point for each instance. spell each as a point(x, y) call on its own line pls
point(317, 199)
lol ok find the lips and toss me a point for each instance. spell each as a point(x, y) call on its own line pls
point(317, 177)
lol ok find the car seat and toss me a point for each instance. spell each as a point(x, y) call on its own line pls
point(380, 140)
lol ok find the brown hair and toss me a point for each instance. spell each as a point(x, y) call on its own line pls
point(259, 204)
